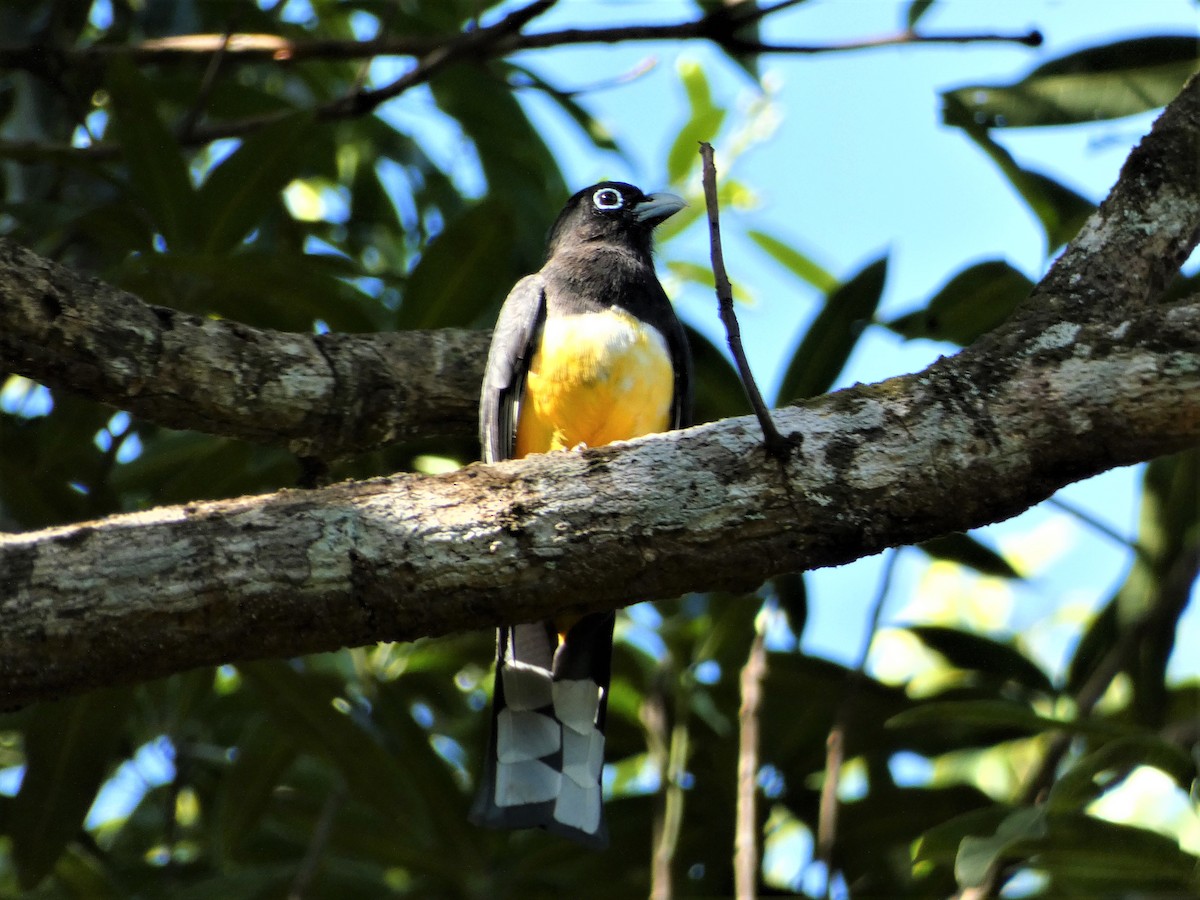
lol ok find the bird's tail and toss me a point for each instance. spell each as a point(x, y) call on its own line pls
point(546, 752)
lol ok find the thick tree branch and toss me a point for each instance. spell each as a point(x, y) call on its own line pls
point(319, 395)
point(947, 449)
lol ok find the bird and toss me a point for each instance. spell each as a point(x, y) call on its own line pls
point(586, 351)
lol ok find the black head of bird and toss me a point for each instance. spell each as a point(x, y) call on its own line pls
point(613, 212)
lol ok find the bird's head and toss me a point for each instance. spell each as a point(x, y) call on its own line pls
point(613, 212)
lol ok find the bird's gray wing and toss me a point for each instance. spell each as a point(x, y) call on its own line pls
point(513, 344)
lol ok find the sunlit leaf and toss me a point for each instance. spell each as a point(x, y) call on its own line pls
point(1092, 774)
point(799, 264)
point(1104, 82)
point(703, 123)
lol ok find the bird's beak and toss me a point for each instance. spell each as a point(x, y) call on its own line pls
point(658, 208)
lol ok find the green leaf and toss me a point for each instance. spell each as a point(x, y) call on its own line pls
point(521, 172)
point(69, 748)
point(941, 842)
point(283, 290)
point(917, 9)
point(1107, 82)
point(977, 854)
point(303, 705)
point(240, 192)
point(799, 264)
point(1061, 211)
point(967, 551)
point(263, 755)
point(822, 354)
point(792, 593)
point(702, 125)
point(455, 282)
point(1096, 772)
point(1086, 857)
point(975, 301)
point(155, 165)
point(178, 466)
point(86, 876)
point(979, 654)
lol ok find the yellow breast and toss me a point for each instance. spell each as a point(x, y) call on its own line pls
point(595, 378)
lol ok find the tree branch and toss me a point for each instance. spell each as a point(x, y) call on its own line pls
point(250, 48)
point(951, 448)
point(318, 395)
point(721, 27)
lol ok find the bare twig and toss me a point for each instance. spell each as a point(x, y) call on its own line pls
point(207, 82)
point(746, 856)
point(481, 43)
point(777, 445)
point(433, 53)
point(835, 743)
point(317, 844)
point(249, 48)
point(656, 720)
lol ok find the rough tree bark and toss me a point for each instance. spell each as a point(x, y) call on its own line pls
point(1087, 375)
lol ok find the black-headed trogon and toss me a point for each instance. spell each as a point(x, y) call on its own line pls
point(586, 351)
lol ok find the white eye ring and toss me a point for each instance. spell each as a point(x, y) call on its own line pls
point(608, 199)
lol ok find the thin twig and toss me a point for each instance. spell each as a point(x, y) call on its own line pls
point(777, 445)
point(251, 48)
point(317, 843)
point(1096, 525)
point(745, 853)
point(504, 38)
point(482, 43)
point(835, 743)
point(207, 82)
point(668, 748)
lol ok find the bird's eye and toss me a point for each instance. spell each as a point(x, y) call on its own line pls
point(608, 198)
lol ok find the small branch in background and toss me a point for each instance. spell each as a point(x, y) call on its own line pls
point(1098, 526)
point(317, 844)
point(207, 83)
point(432, 53)
point(835, 743)
point(746, 855)
point(777, 445)
point(654, 717)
